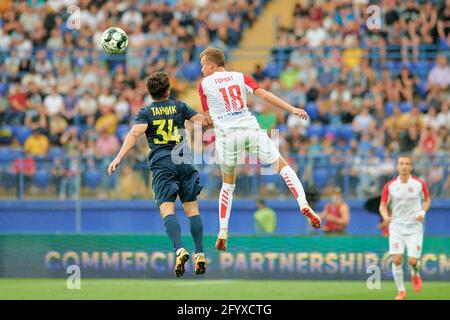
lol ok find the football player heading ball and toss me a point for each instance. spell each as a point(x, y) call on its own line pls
point(223, 95)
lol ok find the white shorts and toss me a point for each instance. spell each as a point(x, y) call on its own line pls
point(230, 146)
point(406, 236)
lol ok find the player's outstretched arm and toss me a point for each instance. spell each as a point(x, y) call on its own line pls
point(130, 140)
point(274, 100)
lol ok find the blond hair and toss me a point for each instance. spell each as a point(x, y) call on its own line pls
point(214, 55)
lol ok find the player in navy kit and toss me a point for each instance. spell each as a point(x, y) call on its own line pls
point(161, 122)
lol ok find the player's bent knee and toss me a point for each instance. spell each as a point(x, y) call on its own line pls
point(166, 208)
point(279, 164)
point(227, 170)
point(412, 261)
point(191, 208)
point(397, 259)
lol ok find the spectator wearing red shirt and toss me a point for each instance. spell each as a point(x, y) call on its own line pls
point(18, 105)
point(428, 142)
point(336, 214)
point(27, 166)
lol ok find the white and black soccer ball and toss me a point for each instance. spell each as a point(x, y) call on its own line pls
point(114, 40)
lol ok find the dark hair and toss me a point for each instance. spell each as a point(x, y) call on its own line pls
point(214, 55)
point(261, 202)
point(158, 84)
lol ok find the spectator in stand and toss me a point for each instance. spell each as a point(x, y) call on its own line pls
point(54, 103)
point(363, 122)
point(266, 118)
point(18, 105)
point(86, 109)
point(443, 24)
point(443, 117)
point(37, 144)
point(336, 214)
point(438, 78)
point(265, 218)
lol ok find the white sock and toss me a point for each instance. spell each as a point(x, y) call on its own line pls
point(225, 202)
point(294, 184)
point(397, 272)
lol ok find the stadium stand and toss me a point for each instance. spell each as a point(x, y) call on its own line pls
point(370, 94)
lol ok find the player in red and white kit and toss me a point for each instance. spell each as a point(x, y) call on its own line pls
point(408, 199)
point(224, 98)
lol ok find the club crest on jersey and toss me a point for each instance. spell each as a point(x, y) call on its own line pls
point(410, 189)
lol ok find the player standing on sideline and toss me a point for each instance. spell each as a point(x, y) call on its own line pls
point(160, 121)
point(224, 95)
point(409, 200)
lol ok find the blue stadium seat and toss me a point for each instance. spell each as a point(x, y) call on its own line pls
point(189, 71)
point(312, 110)
point(346, 132)
point(42, 178)
point(389, 108)
point(423, 106)
point(3, 88)
point(9, 154)
point(282, 127)
point(92, 178)
point(55, 152)
point(315, 130)
point(21, 133)
point(422, 88)
point(331, 129)
point(121, 131)
point(321, 177)
point(406, 106)
point(379, 152)
point(364, 148)
point(273, 69)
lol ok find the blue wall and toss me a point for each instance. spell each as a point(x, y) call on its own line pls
point(142, 217)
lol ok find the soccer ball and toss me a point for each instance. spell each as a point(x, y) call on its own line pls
point(114, 40)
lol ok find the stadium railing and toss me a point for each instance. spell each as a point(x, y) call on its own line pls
point(77, 177)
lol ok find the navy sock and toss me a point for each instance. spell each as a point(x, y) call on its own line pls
point(197, 232)
point(173, 230)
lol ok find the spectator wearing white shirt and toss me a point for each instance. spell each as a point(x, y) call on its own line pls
point(42, 64)
point(316, 36)
point(54, 103)
point(438, 78)
point(430, 119)
point(132, 17)
point(443, 117)
point(363, 122)
point(86, 108)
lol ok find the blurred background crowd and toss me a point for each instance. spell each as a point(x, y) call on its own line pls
point(65, 106)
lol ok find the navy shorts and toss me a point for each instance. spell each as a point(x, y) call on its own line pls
point(170, 180)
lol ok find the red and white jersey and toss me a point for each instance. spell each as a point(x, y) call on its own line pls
point(224, 94)
point(405, 199)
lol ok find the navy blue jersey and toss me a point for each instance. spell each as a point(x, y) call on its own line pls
point(165, 119)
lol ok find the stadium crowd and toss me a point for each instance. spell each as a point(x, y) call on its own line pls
point(370, 94)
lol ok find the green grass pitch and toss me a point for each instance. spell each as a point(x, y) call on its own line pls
point(182, 289)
